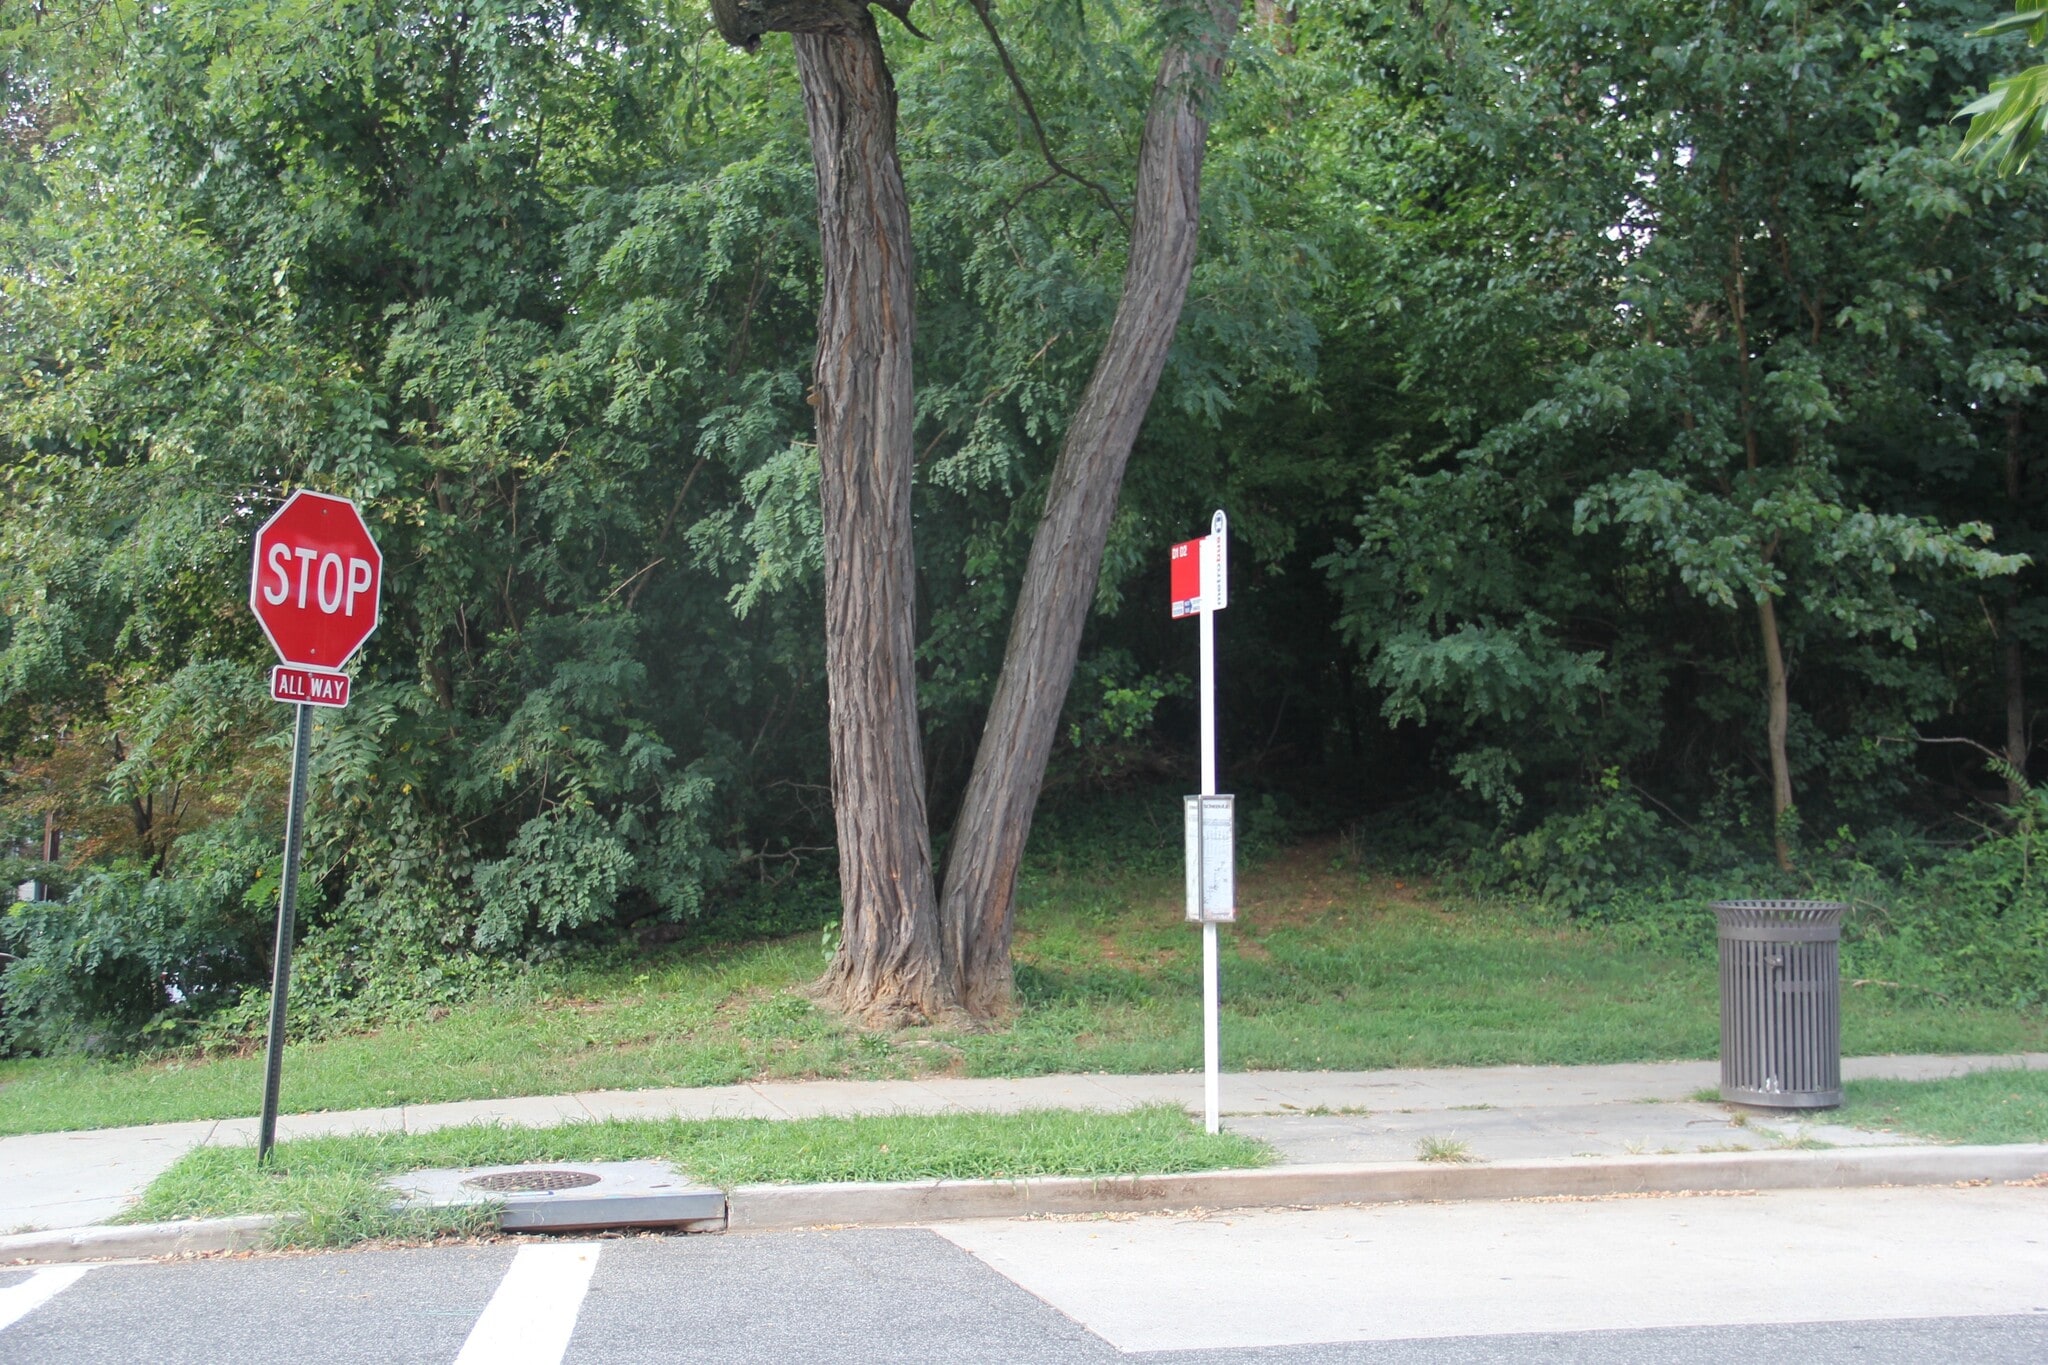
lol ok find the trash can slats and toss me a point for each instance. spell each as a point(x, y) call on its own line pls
point(1781, 997)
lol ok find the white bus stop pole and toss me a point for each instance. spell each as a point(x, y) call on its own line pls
point(1211, 1080)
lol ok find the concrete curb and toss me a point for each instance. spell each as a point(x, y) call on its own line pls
point(137, 1240)
point(766, 1207)
point(760, 1208)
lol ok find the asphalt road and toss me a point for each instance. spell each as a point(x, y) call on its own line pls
point(1953, 1274)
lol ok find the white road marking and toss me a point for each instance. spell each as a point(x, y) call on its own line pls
point(18, 1301)
point(1388, 1272)
point(531, 1317)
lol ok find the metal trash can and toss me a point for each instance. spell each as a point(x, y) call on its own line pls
point(1781, 1003)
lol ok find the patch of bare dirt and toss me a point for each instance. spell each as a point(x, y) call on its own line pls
point(573, 1005)
point(1313, 881)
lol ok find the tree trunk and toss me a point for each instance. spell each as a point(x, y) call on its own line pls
point(1280, 18)
point(890, 968)
point(2017, 745)
point(1066, 555)
point(1780, 723)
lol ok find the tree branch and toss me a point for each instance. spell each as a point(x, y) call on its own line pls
point(988, 21)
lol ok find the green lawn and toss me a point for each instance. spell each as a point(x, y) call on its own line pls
point(332, 1186)
point(1328, 969)
point(1984, 1106)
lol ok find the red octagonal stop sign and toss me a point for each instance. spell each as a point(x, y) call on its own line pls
point(317, 579)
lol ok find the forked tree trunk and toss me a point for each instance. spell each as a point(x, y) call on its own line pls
point(1777, 728)
point(890, 968)
point(1066, 555)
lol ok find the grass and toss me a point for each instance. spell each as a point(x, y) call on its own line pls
point(1328, 968)
point(1983, 1107)
point(332, 1186)
point(2004, 1104)
point(1448, 1150)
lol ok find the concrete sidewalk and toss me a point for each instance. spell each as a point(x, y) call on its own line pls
point(1313, 1118)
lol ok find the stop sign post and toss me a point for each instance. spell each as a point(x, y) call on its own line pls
point(315, 586)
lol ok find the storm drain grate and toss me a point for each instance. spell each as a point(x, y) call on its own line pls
point(531, 1182)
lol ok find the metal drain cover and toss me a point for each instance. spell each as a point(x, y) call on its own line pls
point(531, 1182)
point(569, 1194)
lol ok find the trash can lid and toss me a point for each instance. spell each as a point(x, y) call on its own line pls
point(1779, 912)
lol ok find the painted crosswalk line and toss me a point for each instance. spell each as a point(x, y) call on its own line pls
point(533, 1314)
point(19, 1300)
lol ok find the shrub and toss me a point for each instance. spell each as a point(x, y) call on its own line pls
point(1974, 925)
point(129, 957)
point(1573, 859)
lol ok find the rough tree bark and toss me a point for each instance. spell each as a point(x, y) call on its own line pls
point(1066, 554)
point(898, 960)
point(890, 968)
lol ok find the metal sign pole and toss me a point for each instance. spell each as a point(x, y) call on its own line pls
point(287, 910)
point(1211, 1064)
point(1198, 584)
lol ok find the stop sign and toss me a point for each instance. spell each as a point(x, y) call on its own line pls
point(317, 579)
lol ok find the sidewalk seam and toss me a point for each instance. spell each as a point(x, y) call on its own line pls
point(760, 1094)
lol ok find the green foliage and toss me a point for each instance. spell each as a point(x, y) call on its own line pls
point(2006, 121)
point(1571, 860)
point(1968, 925)
point(1110, 732)
point(1764, 373)
point(129, 954)
point(1974, 926)
point(425, 255)
point(1526, 352)
point(535, 283)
